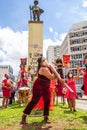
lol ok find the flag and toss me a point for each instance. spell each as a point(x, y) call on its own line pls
point(66, 60)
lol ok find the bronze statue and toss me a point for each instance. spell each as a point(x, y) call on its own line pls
point(35, 11)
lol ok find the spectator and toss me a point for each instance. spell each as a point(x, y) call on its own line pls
point(12, 98)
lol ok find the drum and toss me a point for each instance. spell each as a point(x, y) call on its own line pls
point(23, 94)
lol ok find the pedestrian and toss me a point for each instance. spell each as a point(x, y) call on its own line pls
point(12, 97)
point(6, 89)
point(71, 97)
point(41, 87)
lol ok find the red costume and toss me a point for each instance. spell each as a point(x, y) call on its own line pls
point(72, 85)
point(41, 88)
point(85, 82)
point(6, 91)
point(40, 104)
point(59, 86)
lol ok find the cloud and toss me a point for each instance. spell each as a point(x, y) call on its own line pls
point(51, 29)
point(54, 33)
point(84, 4)
point(62, 36)
point(49, 42)
point(13, 46)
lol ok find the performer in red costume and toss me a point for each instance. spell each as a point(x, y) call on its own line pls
point(71, 97)
point(60, 86)
point(84, 73)
point(41, 87)
point(6, 89)
point(23, 74)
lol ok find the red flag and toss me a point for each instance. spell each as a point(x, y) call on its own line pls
point(66, 60)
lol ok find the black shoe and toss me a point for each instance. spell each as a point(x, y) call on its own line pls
point(75, 110)
point(70, 110)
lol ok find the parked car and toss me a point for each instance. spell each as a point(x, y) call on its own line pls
point(79, 94)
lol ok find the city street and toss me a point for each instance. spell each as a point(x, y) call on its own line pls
point(80, 103)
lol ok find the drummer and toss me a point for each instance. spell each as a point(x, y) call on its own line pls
point(23, 90)
point(24, 81)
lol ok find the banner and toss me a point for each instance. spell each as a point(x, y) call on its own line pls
point(66, 60)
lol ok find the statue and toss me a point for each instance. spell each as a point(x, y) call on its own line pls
point(35, 11)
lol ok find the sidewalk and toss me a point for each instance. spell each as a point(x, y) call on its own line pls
point(84, 97)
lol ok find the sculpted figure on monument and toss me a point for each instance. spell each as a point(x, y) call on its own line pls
point(35, 11)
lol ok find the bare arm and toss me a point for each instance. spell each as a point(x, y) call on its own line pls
point(79, 70)
point(78, 73)
point(54, 63)
point(46, 72)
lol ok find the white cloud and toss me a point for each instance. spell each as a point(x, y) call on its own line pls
point(51, 29)
point(49, 42)
point(62, 36)
point(84, 4)
point(13, 46)
point(54, 33)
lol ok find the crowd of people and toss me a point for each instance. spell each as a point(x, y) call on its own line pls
point(41, 87)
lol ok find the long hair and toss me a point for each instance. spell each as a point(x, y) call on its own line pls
point(60, 71)
point(39, 63)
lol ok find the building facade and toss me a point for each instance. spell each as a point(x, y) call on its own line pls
point(52, 53)
point(6, 69)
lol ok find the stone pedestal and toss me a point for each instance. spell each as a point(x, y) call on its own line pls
point(35, 43)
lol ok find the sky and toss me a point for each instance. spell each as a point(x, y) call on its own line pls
point(58, 17)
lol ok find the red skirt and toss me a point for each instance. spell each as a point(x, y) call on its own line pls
point(6, 92)
point(40, 104)
point(59, 90)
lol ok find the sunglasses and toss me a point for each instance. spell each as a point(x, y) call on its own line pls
point(59, 66)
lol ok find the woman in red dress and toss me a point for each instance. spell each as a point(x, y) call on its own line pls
point(6, 89)
point(71, 97)
point(41, 87)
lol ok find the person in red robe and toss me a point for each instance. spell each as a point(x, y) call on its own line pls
point(6, 89)
point(41, 87)
point(60, 86)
